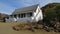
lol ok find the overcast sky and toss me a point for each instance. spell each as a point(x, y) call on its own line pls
point(8, 6)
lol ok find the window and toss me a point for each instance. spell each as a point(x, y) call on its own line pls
point(15, 16)
point(19, 15)
point(11, 16)
point(24, 15)
point(29, 14)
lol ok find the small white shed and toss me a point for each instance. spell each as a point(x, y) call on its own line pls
point(27, 14)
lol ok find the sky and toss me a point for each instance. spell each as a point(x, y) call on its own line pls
point(8, 6)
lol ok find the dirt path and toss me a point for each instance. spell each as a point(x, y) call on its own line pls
point(6, 28)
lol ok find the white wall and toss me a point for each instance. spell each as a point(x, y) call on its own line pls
point(10, 20)
point(24, 19)
point(27, 19)
point(38, 14)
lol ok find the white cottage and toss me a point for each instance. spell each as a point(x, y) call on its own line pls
point(27, 14)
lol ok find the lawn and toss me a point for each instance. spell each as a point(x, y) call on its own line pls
point(6, 28)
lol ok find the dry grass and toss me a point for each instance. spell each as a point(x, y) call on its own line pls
point(6, 28)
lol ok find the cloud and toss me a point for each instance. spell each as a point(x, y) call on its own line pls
point(42, 3)
point(24, 2)
point(3, 12)
point(56, 1)
point(45, 2)
point(6, 8)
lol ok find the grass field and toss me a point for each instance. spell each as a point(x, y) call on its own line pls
point(6, 28)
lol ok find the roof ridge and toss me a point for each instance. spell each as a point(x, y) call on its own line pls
point(29, 6)
point(19, 10)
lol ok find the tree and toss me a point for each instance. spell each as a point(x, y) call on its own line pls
point(50, 14)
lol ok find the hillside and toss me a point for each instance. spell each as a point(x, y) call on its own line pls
point(50, 6)
point(51, 13)
point(2, 16)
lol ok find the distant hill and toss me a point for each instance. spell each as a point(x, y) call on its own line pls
point(50, 6)
point(2, 16)
point(51, 12)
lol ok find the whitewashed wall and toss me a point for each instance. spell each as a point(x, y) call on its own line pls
point(10, 20)
point(38, 14)
point(27, 19)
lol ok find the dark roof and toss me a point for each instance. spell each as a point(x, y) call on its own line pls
point(25, 9)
